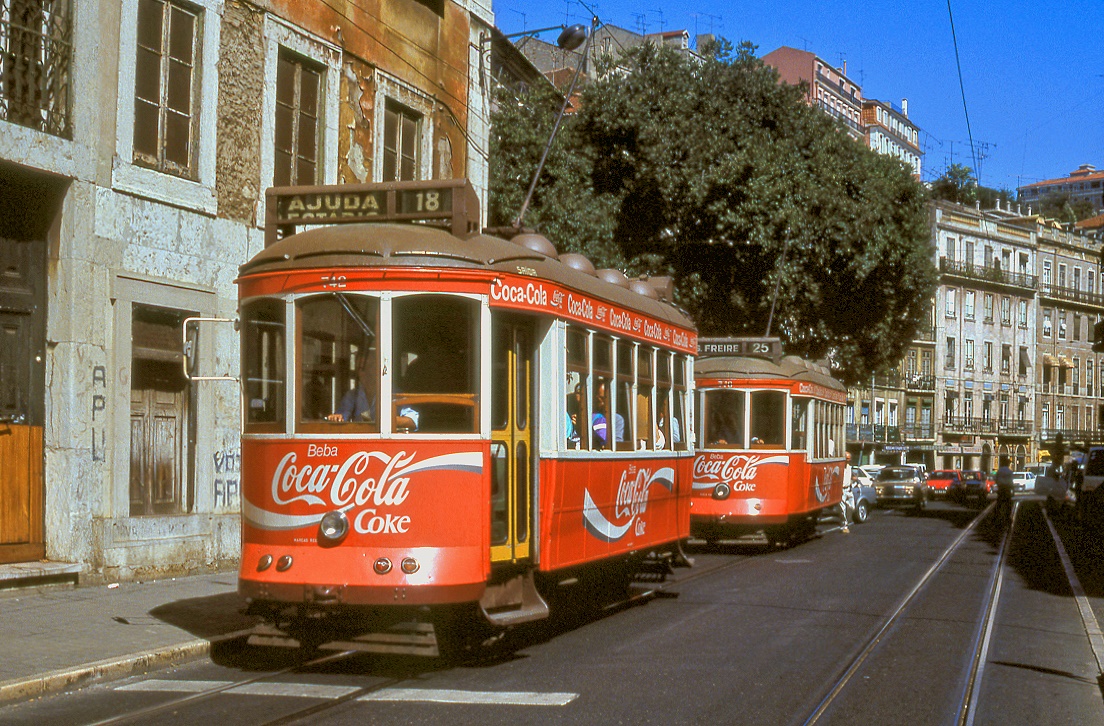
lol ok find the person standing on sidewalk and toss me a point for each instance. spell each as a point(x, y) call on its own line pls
point(848, 481)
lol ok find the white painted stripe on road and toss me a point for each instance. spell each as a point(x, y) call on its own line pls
point(292, 690)
point(509, 698)
point(174, 686)
point(1088, 619)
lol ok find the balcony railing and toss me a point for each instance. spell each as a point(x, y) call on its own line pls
point(919, 381)
point(918, 432)
point(971, 425)
point(875, 433)
point(1071, 294)
point(1071, 436)
point(36, 50)
point(988, 274)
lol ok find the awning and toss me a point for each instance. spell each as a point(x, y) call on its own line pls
point(1065, 362)
point(1048, 359)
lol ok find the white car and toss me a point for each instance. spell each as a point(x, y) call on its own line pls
point(1023, 481)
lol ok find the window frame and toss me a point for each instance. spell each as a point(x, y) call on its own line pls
point(197, 193)
point(279, 35)
point(391, 89)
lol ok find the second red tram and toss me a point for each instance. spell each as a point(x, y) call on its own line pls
point(770, 441)
point(443, 426)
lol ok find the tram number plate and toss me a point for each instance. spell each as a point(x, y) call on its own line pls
point(425, 201)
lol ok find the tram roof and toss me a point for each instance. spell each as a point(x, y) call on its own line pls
point(790, 367)
point(417, 245)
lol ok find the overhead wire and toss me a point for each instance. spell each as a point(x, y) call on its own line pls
point(962, 90)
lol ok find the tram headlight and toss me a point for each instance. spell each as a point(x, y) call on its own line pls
point(382, 566)
point(409, 565)
point(333, 527)
point(721, 491)
point(283, 564)
point(264, 563)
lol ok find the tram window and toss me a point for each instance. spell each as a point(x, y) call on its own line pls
point(799, 424)
point(645, 389)
point(339, 369)
point(500, 378)
point(768, 419)
point(576, 401)
point(678, 417)
point(521, 503)
point(500, 478)
point(435, 361)
point(604, 393)
point(263, 364)
point(623, 398)
point(725, 423)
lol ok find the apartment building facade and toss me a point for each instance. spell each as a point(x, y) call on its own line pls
point(1083, 184)
point(1006, 362)
point(889, 131)
point(137, 138)
point(829, 88)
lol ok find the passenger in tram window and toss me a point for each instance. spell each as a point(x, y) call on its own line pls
point(360, 403)
point(662, 427)
point(601, 408)
point(571, 432)
point(726, 429)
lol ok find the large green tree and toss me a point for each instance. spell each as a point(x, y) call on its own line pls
point(713, 171)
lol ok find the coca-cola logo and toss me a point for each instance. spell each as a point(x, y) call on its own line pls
point(738, 470)
point(823, 483)
point(630, 504)
point(367, 486)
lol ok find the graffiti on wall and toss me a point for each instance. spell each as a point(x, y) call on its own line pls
point(99, 405)
point(227, 482)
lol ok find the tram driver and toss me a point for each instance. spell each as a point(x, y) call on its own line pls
point(360, 403)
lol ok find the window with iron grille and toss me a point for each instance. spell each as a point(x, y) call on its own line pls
point(298, 103)
point(36, 49)
point(401, 131)
point(166, 93)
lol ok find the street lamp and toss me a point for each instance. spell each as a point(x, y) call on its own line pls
point(571, 35)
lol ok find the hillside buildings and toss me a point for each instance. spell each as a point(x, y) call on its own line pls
point(1007, 362)
point(1085, 183)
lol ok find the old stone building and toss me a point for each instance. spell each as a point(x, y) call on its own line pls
point(136, 140)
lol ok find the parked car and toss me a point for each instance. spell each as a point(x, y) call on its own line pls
point(1023, 481)
point(972, 485)
point(871, 470)
point(860, 497)
point(942, 481)
point(1059, 490)
point(901, 486)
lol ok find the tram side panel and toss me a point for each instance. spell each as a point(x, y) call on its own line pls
point(412, 500)
point(594, 509)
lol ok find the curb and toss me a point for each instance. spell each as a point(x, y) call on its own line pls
point(111, 668)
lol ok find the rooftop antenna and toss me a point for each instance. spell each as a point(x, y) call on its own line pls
point(641, 25)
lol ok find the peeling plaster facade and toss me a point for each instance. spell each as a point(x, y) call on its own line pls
point(127, 245)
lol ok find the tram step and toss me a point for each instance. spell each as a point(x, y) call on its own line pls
point(655, 569)
point(514, 601)
point(409, 638)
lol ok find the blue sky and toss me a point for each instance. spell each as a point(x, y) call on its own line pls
point(1033, 72)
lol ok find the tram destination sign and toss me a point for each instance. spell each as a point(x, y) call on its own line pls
point(451, 202)
point(770, 348)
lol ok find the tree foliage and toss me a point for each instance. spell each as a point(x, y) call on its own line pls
point(713, 171)
point(1065, 209)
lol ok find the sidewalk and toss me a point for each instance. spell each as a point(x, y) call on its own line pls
point(55, 638)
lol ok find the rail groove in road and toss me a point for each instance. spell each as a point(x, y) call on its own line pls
point(892, 619)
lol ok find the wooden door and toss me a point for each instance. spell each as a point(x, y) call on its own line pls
point(22, 399)
point(511, 440)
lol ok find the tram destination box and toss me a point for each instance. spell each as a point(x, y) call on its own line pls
point(769, 348)
point(450, 202)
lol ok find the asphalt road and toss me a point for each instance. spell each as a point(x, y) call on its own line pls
point(814, 633)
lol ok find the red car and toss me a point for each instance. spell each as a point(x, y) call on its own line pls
point(943, 481)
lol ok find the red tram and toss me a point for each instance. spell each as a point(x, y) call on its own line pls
point(446, 427)
point(770, 441)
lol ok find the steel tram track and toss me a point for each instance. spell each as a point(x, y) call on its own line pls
point(205, 695)
point(968, 700)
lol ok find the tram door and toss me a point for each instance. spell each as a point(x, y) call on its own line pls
point(511, 439)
